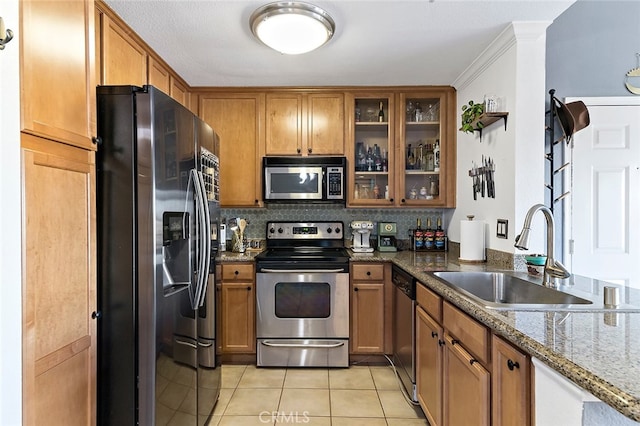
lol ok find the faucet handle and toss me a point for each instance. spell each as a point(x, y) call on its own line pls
point(556, 269)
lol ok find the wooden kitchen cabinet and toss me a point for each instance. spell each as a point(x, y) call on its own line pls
point(367, 308)
point(238, 118)
point(370, 150)
point(122, 57)
point(59, 283)
point(304, 124)
point(159, 75)
point(429, 359)
point(426, 151)
point(467, 387)
point(393, 160)
point(511, 385)
point(57, 71)
point(429, 353)
point(238, 305)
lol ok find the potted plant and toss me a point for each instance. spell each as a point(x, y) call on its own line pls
point(471, 112)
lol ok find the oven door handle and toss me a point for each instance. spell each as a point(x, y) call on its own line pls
point(302, 345)
point(303, 271)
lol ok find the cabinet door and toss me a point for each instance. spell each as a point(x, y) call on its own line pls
point(159, 75)
point(367, 311)
point(238, 317)
point(426, 152)
point(511, 391)
point(370, 149)
point(325, 124)
point(429, 341)
point(124, 60)
point(466, 388)
point(284, 124)
point(180, 92)
point(238, 120)
point(57, 70)
point(59, 293)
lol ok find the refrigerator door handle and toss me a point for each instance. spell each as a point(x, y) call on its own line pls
point(203, 225)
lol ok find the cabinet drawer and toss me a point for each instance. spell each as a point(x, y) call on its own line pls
point(367, 272)
point(430, 302)
point(471, 334)
point(237, 272)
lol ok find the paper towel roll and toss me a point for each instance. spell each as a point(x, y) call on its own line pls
point(472, 240)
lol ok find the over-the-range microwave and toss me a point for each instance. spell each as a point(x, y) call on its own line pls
point(304, 179)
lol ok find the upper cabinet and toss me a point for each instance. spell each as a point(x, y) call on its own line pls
point(402, 148)
point(238, 119)
point(304, 123)
point(158, 75)
point(57, 79)
point(123, 59)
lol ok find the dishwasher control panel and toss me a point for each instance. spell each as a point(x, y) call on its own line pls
point(404, 281)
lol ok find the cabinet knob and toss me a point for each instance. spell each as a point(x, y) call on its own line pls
point(403, 200)
point(472, 360)
point(434, 334)
point(310, 150)
point(97, 140)
point(454, 341)
point(391, 200)
point(236, 272)
point(369, 273)
point(256, 201)
point(298, 150)
point(441, 342)
point(512, 364)
point(96, 314)
point(355, 289)
point(248, 288)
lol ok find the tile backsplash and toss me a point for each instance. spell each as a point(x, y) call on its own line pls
point(404, 218)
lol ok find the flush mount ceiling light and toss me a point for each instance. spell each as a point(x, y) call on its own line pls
point(292, 27)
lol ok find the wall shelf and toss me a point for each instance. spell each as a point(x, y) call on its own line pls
point(487, 119)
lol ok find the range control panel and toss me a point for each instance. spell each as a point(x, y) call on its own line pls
point(305, 230)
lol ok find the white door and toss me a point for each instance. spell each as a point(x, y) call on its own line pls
point(604, 218)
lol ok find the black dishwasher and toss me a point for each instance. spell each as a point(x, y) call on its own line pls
point(404, 315)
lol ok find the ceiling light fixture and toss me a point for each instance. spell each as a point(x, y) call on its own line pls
point(292, 27)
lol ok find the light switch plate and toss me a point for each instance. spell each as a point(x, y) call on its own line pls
point(502, 230)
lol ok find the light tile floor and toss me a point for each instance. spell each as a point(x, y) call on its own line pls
point(359, 395)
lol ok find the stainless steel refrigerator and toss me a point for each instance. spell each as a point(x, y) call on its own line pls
point(158, 215)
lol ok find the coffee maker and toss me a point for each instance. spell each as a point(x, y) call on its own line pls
point(361, 230)
point(387, 236)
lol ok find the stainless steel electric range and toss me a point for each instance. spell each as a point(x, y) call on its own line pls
point(302, 281)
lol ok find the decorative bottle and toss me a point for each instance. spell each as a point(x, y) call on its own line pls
point(440, 235)
point(418, 236)
point(429, 236)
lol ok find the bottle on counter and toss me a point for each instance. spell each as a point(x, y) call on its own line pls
point(439, 235)
point(381, 114)
point(429, 236)
point(418, 236)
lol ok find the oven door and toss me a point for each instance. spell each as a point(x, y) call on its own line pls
point(293, 183)
point(302, 319)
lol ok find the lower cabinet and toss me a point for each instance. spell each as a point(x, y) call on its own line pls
point(466, 387)
point(367, 308)
point(237, 304)
point(465, 375)
point(430, 341)
point(511, 385)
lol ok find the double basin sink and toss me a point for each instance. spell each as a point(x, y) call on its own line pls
point(501, 290)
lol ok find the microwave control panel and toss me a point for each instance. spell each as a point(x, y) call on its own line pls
point(335, 187)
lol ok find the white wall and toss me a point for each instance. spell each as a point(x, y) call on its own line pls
point(10, 249)
point(513, 69)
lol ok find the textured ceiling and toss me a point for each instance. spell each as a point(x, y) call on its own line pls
point(209, 42)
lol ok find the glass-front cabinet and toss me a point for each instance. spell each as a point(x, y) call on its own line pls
point(371, 155)
point(402, 149)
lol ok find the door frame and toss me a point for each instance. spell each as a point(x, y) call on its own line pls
point(567, 181)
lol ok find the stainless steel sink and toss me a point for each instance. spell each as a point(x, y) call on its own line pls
point(500, 290)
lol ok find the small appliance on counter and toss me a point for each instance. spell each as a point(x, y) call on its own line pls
point(361, 230)
point(387, 236)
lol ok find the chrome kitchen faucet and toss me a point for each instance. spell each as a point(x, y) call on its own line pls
point(552, 267)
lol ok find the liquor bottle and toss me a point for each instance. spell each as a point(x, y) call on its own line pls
point(377, 158)
point(429, 158)
point(411, 159)
point(429, 236)
point(418, 236)
point(440, 235)
point(381, 114)
point(385, 161)
point(436, 156)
